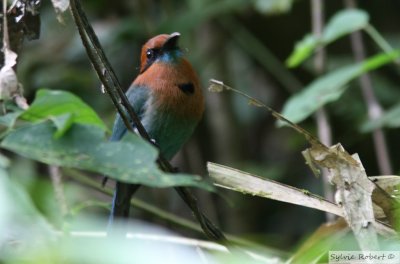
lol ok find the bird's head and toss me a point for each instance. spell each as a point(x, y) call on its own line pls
point(161, 48)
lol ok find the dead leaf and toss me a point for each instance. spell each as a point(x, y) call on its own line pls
point(354, 190)
point(216, 86)
point(8, 78)
point(8, 83)
point(60, 7)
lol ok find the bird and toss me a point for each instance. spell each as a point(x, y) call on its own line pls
point(167, 97)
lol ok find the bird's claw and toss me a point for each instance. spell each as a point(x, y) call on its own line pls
point(154, 142)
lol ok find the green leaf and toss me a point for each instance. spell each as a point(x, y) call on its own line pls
point(130, 160)
point(330, 87)
point(379, 60)
point(63, 108)
point(341, 24)
point(302, 51)
point(390, 118)
point(62, 123)
point(4, 162)
point(8, 120)
point(19, 219)
point(272, 7)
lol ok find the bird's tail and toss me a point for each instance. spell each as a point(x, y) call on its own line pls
point(122, 200)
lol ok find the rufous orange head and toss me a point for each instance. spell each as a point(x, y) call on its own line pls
point(170, 77)
point(161, 47)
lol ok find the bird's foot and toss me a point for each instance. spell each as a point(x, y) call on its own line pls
point(154, 142)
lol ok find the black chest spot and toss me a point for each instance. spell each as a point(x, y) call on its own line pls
point(187, 88)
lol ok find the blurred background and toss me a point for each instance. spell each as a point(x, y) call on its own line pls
point(244, 44)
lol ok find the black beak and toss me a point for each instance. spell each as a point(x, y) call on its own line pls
point(172, 41)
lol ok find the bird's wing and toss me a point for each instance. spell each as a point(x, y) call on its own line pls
point(137, 96)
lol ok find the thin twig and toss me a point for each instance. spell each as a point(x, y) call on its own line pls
point(218, 86)
point(374, 108)
point(379, 40)
point(56, 179)
point(112, 86)
point(318, 23)
point(324, 127)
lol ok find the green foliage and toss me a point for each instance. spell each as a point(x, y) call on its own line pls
point(302, 51)
point(8, 120)
point(330, 87)
point(63, 108)
point(27, 236)
point(19, 218)
point(75, 138)
point(391, 119)
point(130, 160)
point(341, 24)
point(273, 7)
point(344, 22)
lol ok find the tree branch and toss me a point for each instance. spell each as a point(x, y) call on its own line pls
point(374, 108)
point(56, 179)
point(323, 125)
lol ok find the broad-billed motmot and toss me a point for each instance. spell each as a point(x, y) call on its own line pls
point(167, 97)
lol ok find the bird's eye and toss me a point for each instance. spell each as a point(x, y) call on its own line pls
point(150, 54)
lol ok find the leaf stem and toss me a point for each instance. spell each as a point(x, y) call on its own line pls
point(379, 40)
